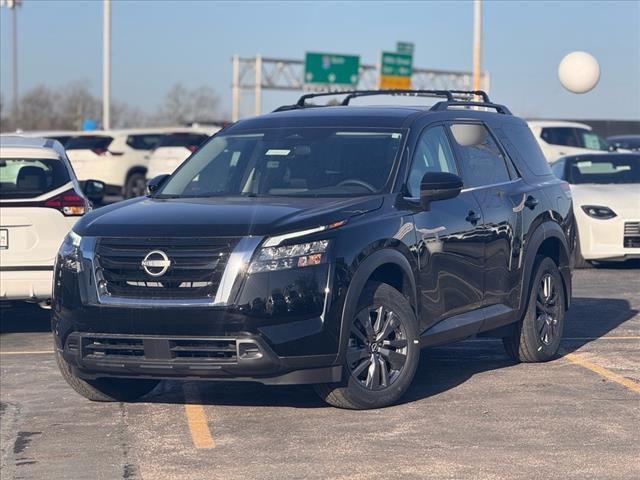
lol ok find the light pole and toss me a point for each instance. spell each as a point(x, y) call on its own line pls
point(477, 42)
point(13, 6)
point(106, 65)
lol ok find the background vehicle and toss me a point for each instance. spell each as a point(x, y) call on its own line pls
point(117, 157)
point(308, 246)
point(627, 142)
point(175, 148)
point(40, 200)
point(558, 138)
point(606, 204)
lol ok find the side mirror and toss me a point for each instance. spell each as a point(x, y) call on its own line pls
point(156, 182)
point(438, 186)
point(94, 190)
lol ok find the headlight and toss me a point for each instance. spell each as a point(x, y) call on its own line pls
point(69, 256)
point(595, 211)
point(292, 256)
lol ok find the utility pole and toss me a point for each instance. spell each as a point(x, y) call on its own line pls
point(13, 6)
point(477, 42)
point(106, 65)
point(235, 88)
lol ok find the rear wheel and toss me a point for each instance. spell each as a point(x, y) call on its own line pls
point(382, 352)
point(105, 389)
point(136, 185)
point(537, 336)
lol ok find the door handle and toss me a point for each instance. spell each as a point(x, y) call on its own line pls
point(531, 202)
point(473, 217)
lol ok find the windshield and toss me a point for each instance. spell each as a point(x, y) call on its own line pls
point(289, 162)
point(610, 168)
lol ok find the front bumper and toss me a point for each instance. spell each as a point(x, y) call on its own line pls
point(242, 358)
point(608, 239)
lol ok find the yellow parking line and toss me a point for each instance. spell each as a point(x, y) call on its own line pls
point(197, 421)
point(603, 372)
point(27, 352)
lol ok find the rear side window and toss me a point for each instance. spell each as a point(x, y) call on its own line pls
point(183, 140)
point(144, 142)
point(481, 159)
point(89, 142)
point(528, 152)
point(29, 178)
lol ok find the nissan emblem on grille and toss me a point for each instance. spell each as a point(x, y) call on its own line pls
point(156, 263)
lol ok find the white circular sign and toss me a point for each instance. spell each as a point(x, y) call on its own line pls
point(579, 72)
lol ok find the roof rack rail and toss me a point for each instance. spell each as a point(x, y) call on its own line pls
point(454, 98)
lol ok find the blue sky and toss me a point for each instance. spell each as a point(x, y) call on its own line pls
point(159, 43)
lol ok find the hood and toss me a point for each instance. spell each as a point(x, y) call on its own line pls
point(220, 216)
point(624, 199)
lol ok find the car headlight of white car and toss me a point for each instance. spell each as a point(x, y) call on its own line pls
point(69, 255)
point(599, 212)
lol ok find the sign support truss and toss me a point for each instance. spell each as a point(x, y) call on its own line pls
point(260, 73)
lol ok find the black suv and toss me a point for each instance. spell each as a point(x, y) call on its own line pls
point(322, 245)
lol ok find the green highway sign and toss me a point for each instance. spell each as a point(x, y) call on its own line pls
point(331, 69)
point(405, 47)
point(396, 70)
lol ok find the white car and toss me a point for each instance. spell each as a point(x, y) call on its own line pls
point(175, 148)
point(40, 200)
point(119, 158)
point(559, 138)
point(606, 204)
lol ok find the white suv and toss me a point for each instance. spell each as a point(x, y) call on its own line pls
point(175, 148)
point(559, 138)
point(119, 158)
point(40, 200)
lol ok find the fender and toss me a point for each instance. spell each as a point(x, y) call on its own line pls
point(547, 229)
point(357, 283)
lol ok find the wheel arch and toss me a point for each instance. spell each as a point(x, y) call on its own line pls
point(548, 240)
point(388, 266)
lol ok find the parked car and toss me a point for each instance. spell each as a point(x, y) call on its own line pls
point(606, 204)
point(175, 148)
point(40, 200)
point(558, 138)
point(626, 142)
point(119, 158)
point(324, 246)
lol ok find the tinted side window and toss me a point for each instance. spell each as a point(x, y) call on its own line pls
point(88, 142)
point(144, 142)
point(565, 136)
point(528, 151)
point(481, 160)
point(433, 154)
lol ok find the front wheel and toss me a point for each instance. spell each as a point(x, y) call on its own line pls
point(383, 352)
point(105, 389)
point(537, 336)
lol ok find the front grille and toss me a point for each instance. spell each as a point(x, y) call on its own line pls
point(632, 242)
point(105, 347)
point(101, 347)
point(632, 228)
point(197, 265)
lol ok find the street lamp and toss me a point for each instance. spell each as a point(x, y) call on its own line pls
point(13, 6)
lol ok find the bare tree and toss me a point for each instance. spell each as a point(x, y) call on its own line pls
point(187, 105)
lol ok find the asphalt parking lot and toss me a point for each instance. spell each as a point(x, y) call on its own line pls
point(471, 412)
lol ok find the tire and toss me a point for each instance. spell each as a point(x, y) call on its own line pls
point(387, 351)
point(136, 185)
point(105, 389)
point(537, 336)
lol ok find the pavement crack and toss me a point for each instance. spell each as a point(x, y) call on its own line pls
point(130, 471)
